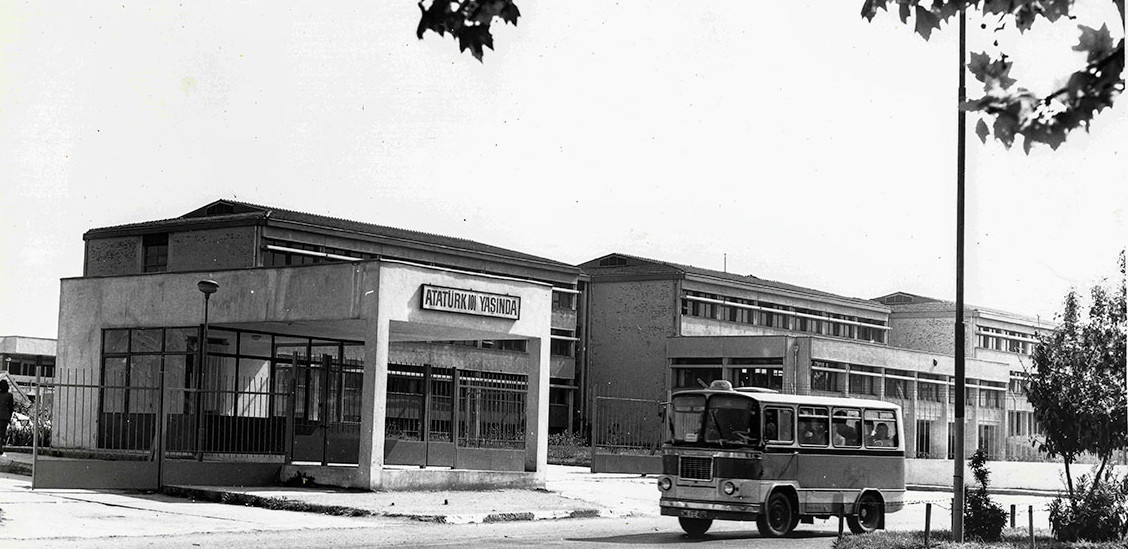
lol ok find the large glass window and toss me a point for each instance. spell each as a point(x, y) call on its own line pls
point(779, 425)
point(689, 412)
point(730, 420)
point(847, 428)
point(814, 426)
point(881, 429)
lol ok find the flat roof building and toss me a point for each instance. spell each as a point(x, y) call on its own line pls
point(657, 327)
point(329, 341)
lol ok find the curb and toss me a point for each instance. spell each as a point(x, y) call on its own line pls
point(286, 504)
point(16, 468)
point(999, 491)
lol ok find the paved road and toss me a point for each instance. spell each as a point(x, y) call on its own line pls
point(82, 518)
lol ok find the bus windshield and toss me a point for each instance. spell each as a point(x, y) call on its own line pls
point(721, 420)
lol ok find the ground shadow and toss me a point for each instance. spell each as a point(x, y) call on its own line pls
point(669, 538)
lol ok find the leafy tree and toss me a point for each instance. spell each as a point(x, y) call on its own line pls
point(1078, 385)
point(1016, 110)
point(468, 21)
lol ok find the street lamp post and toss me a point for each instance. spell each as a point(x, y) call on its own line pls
point(206, 287)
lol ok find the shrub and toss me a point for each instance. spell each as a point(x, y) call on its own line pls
point(983, 518)
point(1092, 514)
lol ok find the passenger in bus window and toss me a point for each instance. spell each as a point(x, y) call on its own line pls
point(770, 432)
point(814, 433)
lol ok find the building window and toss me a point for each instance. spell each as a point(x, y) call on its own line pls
point(695, 378)
point(933, 392)
point(765, 377)
point(864, 385)
point(827, 376)
point(155, 253)
point(923, 438)
point(896, 388)
point(991, 399)
point(562, 344)
point(563, 300)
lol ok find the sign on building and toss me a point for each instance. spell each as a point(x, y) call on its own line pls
point(454, 300)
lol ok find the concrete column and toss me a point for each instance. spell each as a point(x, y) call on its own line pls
point(940, 436)
point(374, 403)
point(800, 372)
point(536, 410)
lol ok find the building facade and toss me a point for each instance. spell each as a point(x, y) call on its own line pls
point(373, 345)
point(998, 337)
point(22, 358)
point(657, 327)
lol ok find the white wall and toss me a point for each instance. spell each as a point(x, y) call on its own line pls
point(1004, 474)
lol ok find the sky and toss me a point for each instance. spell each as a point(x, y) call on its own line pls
point(792, 141)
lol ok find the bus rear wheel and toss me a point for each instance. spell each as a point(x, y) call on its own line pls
point(695, 527)
point(778, 518)
point(869, 515)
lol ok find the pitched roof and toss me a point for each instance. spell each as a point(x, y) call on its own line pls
point(233, 210)
point(668, 266)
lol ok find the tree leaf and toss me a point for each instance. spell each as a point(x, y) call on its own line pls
point(926, 21)
point(1097, 42)
point(982, 131)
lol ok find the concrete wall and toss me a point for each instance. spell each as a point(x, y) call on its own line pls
point(19, 345)
point(448, 356)
point(212, 249)
point(934, 334)
point(630, 321)
point(1004, 474)
point(113, 256)
point(400, 317)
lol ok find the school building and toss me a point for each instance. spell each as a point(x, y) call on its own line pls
point(353, 353)
point(657, 326)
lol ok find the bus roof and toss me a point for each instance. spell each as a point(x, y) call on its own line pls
point(815, 400)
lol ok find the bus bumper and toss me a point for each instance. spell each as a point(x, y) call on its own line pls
point(709, 510)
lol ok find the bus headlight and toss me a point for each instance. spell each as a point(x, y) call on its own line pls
point(728, 488)
point(665, 484)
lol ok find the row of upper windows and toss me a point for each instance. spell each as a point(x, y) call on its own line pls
point(835, 325)
point(1006, 340)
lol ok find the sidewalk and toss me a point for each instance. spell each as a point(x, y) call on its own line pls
point(572, 492)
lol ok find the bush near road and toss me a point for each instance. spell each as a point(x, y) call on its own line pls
point(1011, 539)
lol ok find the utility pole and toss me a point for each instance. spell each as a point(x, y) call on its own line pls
point(961, 381)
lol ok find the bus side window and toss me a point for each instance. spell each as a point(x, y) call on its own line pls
point(880, 429)
point(779, 425)
point(846, 428)
point(814, 426)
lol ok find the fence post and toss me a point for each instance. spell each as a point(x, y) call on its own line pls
point(927, 523)
point(293, 402)
point(455, 409)
point(35, 423)
point(1012, 513)
point(326, 365)
point(1030, 512)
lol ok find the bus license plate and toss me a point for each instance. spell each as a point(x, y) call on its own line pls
point(693, 513)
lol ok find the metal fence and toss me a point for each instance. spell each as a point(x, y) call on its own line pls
point(627, 425)
point(107, 417)
point(488, 407)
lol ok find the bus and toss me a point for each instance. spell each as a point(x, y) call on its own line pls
point(754, 454)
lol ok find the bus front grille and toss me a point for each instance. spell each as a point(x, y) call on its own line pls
point(696, 468)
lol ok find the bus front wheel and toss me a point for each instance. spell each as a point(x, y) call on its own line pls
point(695, 527)
point(778, 518)
point(869, 514)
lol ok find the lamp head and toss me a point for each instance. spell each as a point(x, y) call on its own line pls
point(208, 287)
